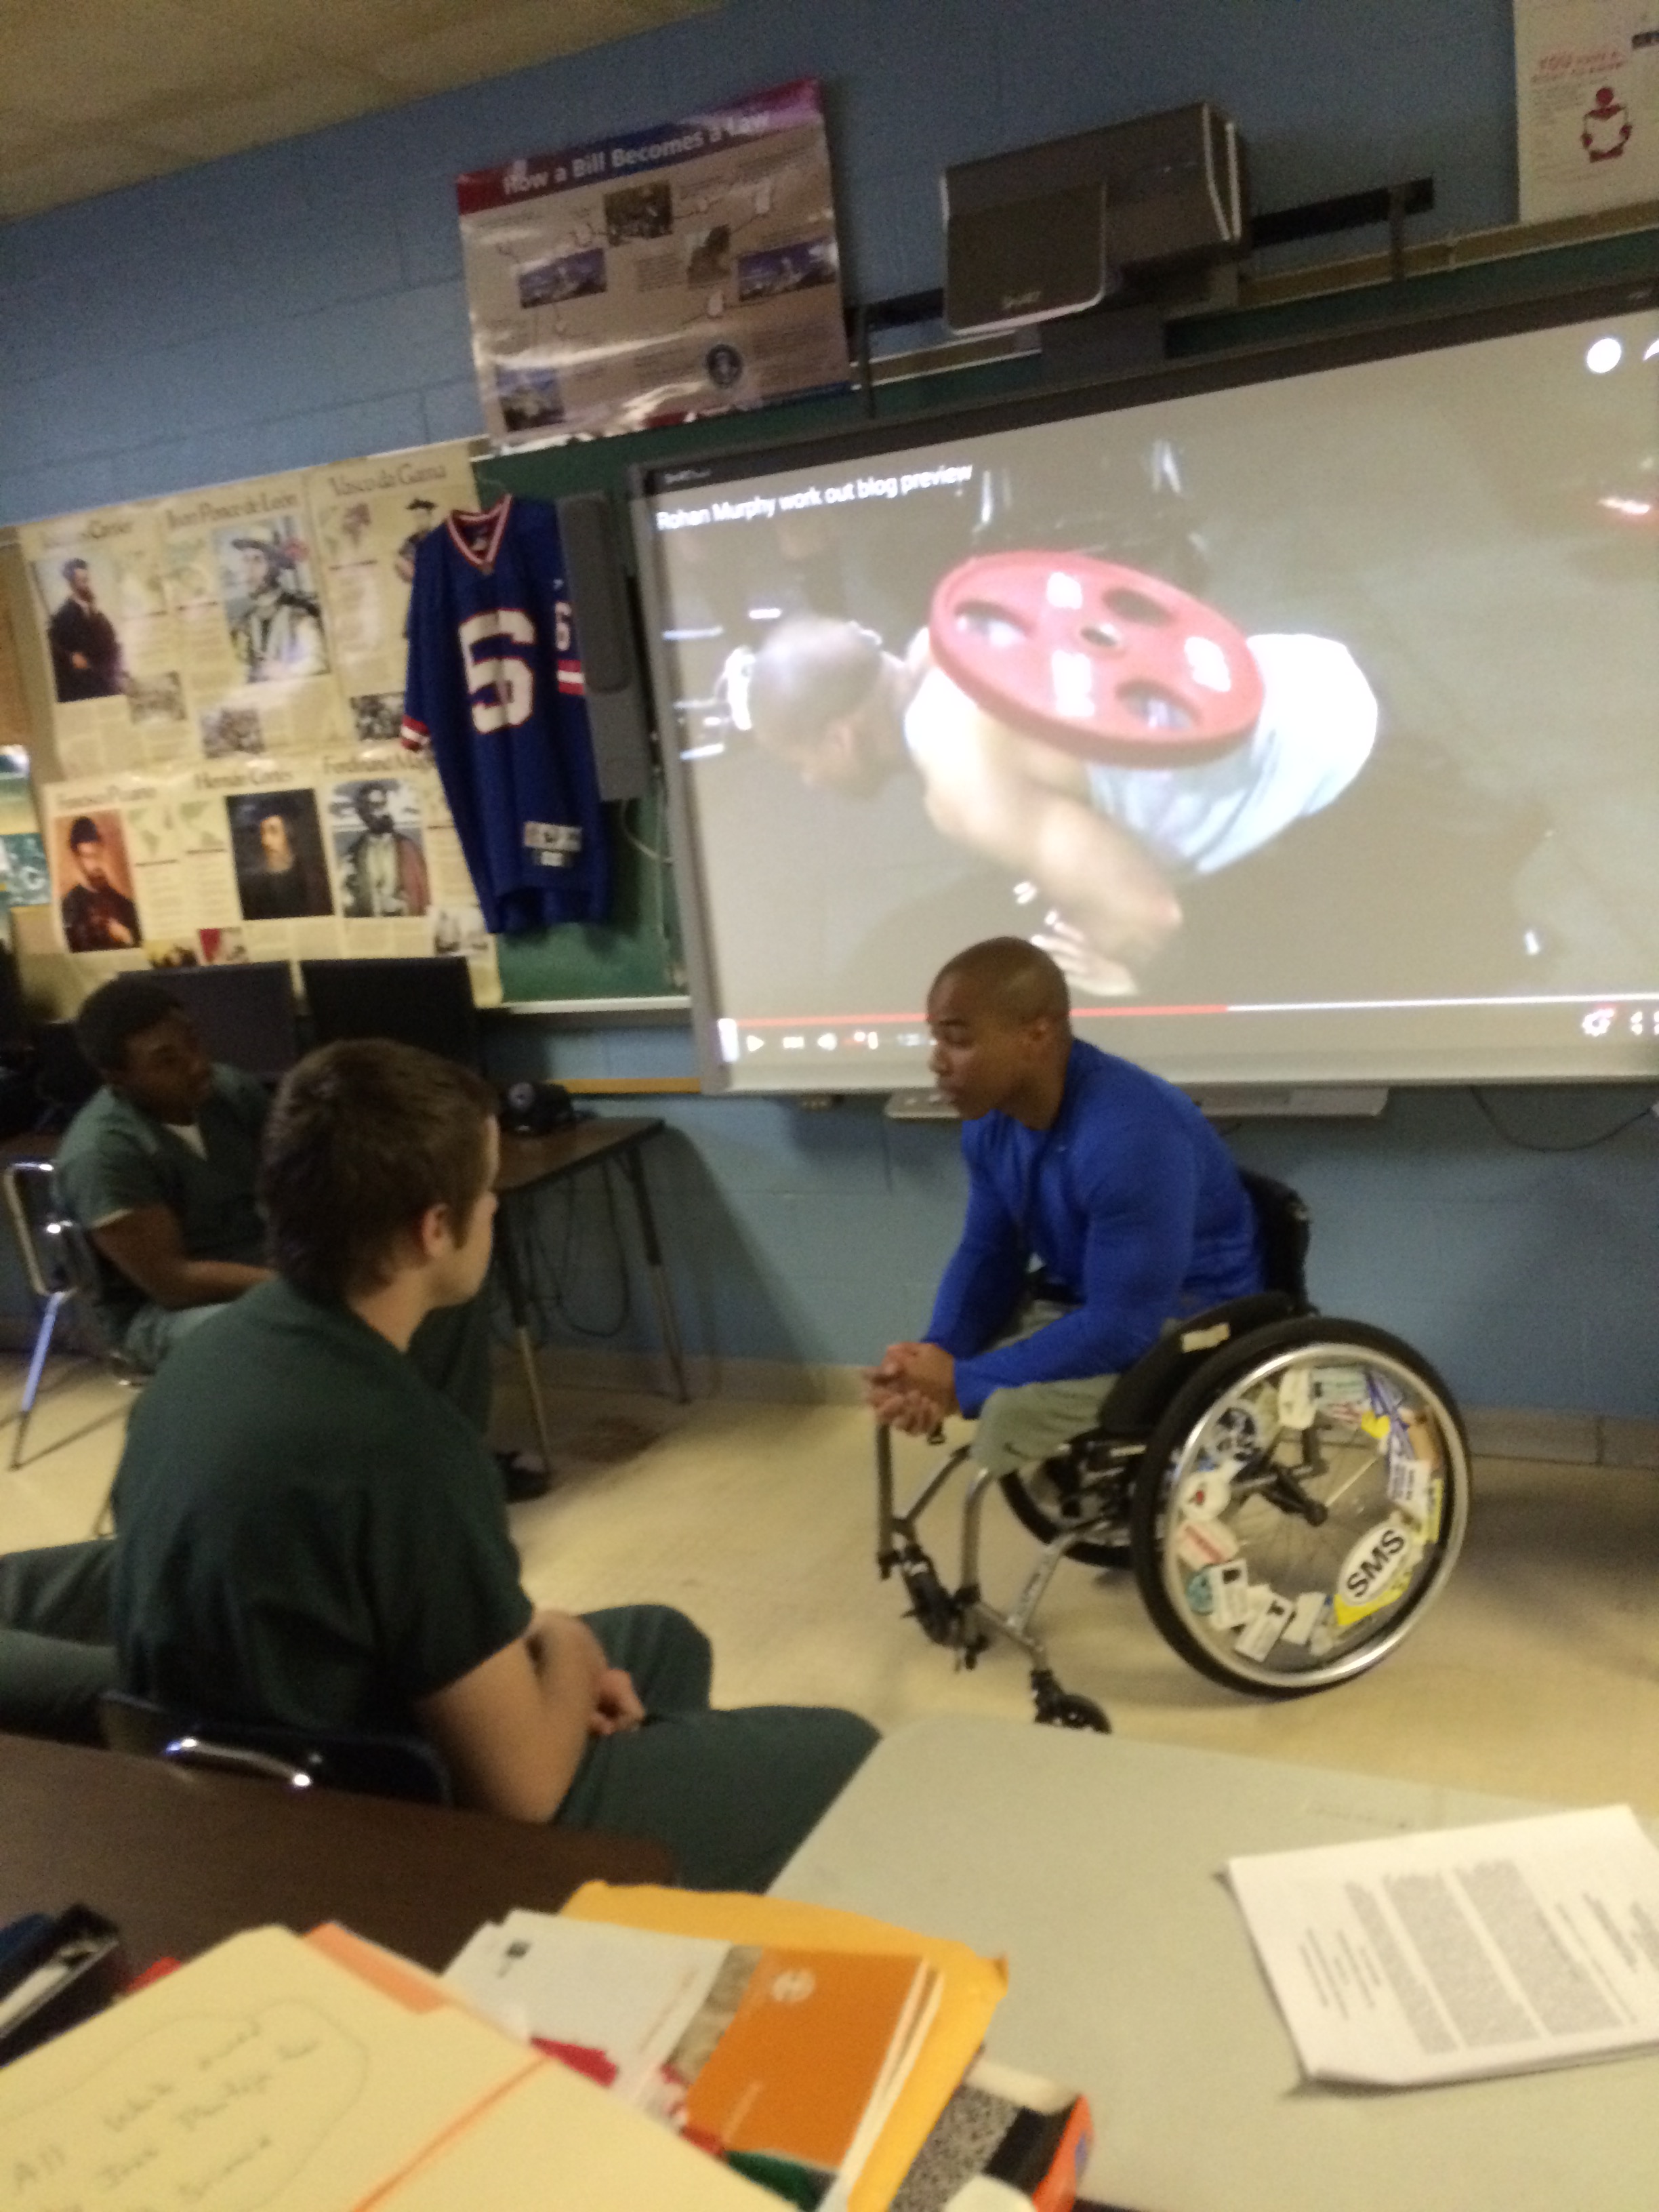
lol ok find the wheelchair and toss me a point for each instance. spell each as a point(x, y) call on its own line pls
point(1290, 1491)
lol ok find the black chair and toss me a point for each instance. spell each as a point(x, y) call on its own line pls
point(1289, 1491)
point(300, 1758)
point(67, 1280)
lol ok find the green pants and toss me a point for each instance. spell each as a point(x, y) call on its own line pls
point(732, 1795)
point(1035, 1420)
point(451, 1347)
point(56, 1651)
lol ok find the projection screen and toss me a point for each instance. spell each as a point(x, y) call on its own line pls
point(1304, 705)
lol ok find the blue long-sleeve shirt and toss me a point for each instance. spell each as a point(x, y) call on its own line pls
point(1129, 1201)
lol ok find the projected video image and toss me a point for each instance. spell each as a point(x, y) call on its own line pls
point(1325, 705)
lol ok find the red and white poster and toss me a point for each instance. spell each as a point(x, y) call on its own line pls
point(1586, 105)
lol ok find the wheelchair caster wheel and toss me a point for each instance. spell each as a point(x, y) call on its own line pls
point(1058, 1707)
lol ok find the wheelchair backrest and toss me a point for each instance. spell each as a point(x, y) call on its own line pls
point(1284, 1231)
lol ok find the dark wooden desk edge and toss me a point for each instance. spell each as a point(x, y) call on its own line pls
point(529, 1160)
point(181, 1860)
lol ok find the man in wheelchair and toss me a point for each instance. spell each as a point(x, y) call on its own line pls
point(1101, 1206)
point(1127, 1321)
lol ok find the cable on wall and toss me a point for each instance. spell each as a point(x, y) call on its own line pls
point(1576, 1144)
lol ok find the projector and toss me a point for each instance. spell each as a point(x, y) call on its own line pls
point(1052, 230)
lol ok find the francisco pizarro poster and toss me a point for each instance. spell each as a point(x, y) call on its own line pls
point(686, 270)
point(1586, 105)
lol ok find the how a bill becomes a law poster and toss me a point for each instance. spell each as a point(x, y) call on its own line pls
point(686, 270)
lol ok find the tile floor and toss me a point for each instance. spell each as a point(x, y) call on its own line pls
point(1537, 1674)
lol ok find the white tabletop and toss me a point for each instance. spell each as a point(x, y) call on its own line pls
point(1092, 1864)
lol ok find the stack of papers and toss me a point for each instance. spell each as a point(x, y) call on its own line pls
point(1464, 1952)
point(770, 2056)
point(809, 2048)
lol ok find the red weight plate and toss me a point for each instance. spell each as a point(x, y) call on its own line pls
point(1104, 661)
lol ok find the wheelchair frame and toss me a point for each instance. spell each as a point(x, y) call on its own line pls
point(1109, 1507)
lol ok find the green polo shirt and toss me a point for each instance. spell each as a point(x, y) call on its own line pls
point(307, 1533)
point(115, 1158)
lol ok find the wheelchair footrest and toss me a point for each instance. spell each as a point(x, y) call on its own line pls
point(932, 1606)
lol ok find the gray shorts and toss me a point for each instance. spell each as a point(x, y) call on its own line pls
point(1033, 1421)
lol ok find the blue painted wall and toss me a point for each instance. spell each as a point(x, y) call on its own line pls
point(304, 302)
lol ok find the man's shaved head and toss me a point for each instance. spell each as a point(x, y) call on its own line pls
point(1002, 1031)
point(1014, 978)
point(809, 671)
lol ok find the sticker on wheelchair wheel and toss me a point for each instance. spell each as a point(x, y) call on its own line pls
point(1437, 1508)
point(1374, 1572)
point(1205, 1543)
point(1296, 1398)
point(1200, 1599)
point(1340, 1395)
point(1304, 1618)
point(1411, 1487)
point(1204, 1496)
point(1259, 1635)
point(1230, 1594)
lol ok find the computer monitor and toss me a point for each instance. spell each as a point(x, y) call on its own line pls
point(422, 1002)
point(244, 1014)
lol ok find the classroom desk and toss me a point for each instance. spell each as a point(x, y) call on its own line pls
point(527, 1163)
point(1092, 1863)
point(180, 1860)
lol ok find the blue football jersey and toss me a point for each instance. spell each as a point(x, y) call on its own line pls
point(494, 690)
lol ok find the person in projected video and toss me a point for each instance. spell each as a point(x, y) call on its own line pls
point(1093, 730)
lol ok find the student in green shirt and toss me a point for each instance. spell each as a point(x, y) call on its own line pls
point(307, 1533)
point(159, 1167)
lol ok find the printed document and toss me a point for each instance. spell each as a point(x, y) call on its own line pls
point(1462, 1952)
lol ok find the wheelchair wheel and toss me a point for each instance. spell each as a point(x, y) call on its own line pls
point(1301, 1501)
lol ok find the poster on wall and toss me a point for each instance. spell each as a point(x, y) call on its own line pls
point(1586, 105)
point(15, 734)
point(113, 647)
point(686, 270)
point(370, 518)
point(236, 623)
point(245, 585)
point(348, 854)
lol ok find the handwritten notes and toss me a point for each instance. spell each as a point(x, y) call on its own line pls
point(195, 2099)
point(262, 2078)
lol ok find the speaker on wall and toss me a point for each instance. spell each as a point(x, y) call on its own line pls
point(617, 711)
point(1052, 230)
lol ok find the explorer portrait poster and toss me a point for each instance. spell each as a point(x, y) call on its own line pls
point(237, 622)
point(349, 854)
point(686, 270)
